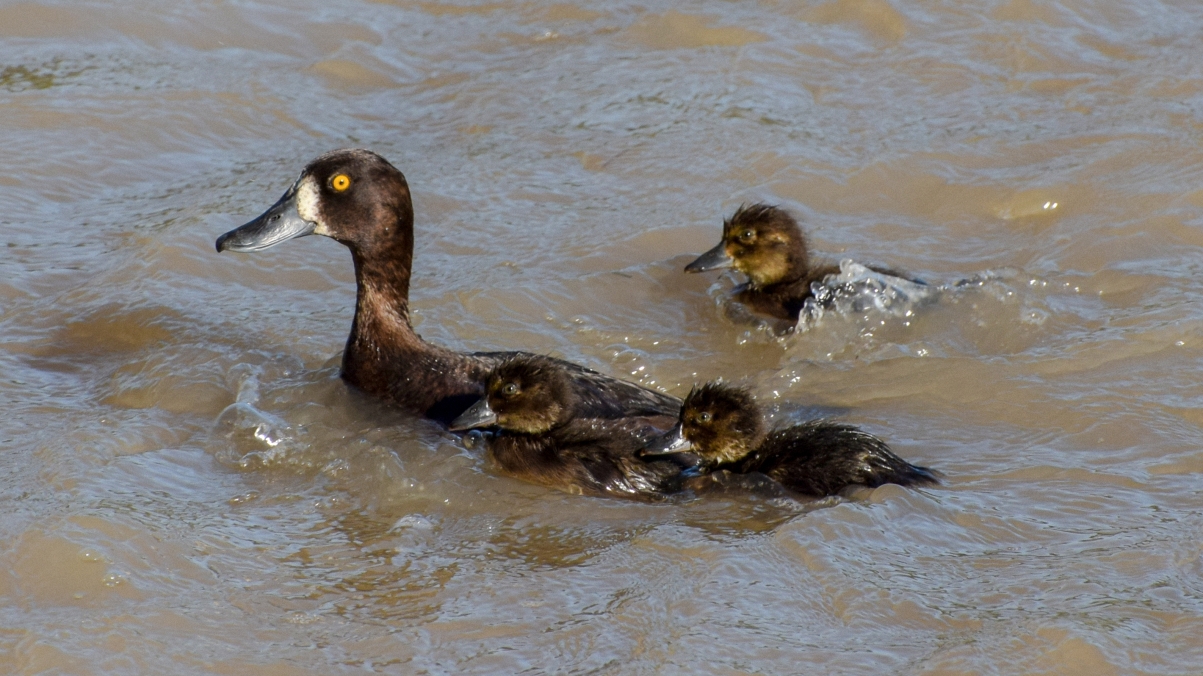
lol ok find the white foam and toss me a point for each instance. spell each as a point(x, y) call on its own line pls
point(858, 289)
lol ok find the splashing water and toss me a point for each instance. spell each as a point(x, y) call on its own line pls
point(258, 438)
point(857, 290)
point(867, 314)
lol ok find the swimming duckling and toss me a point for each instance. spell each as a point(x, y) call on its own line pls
point(765, 243)
point(360, 200)
point(544, 439)
point(722, 425)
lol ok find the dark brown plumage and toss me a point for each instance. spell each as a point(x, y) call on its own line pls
point(723, 427)
point(765, 243)
point(357, 198)
point(545, 440)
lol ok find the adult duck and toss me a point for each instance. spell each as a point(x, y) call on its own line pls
point(357, 198)
point(723, 427)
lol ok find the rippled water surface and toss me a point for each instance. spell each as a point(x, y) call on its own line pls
point(188, 487)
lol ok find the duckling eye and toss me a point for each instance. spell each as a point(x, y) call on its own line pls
point(747, 236)
point(704, 417)
point(510, 389)
point(340, 182)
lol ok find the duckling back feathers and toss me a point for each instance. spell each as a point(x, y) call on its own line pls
point(821, 457)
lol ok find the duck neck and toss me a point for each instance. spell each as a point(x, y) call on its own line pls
point(384, 356)
point(793, 269)
point(382, 302)
point(745, 435)
point(732, 450)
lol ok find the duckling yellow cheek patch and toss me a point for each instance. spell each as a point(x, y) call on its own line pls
point(768, 268)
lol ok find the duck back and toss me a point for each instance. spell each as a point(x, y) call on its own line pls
point(821, 458)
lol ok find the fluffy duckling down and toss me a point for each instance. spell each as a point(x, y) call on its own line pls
point(546, 437)
point(722, 426)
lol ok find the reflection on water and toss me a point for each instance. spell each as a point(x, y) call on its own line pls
point(190, 488)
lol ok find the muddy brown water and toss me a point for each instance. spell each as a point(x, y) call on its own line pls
point(188, 488)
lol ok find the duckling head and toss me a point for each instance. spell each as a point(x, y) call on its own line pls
point(762, 241)
point(719, 423)
point(354, 196)
point(527, 394)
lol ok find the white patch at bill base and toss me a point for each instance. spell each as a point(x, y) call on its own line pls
point(308, 197)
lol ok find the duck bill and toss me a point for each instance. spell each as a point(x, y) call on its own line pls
point(478, 415)
point(714, 259)
point(280, 223)
point(673, 441)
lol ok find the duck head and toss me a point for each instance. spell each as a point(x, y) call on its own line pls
point(527, 394)
point(762, 241)
point(354, 196)
point(719, 423)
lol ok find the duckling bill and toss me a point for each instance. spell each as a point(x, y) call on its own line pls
point(545, 440)
point(357, 198)
point(722, 426)
point(766, 244)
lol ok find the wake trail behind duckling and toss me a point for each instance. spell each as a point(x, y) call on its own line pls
point(858, 289)
point(866, 314)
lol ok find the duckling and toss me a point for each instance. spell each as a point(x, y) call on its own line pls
point(765, 243)
point(359, 199)
point(723, 427)
point(545, 440)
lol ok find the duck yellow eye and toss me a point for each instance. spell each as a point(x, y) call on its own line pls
point(704, 417)
point(340, 182)
point(509, 390)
